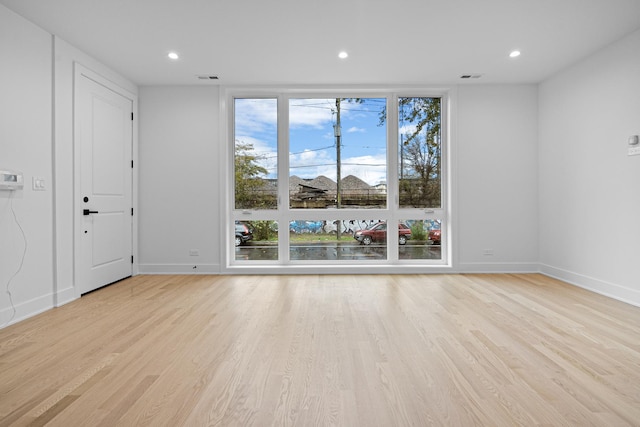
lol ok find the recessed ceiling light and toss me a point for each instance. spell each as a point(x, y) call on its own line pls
point(514, 54)
point(343, 55)
point(173, 55)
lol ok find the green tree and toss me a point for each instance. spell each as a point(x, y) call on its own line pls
point(420, 151)
point(264, 230)
point(422, 156)
point(250, 186)
point(418, 232)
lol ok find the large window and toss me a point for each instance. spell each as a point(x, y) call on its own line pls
point(337, 153)
point(420, 152)
point(420, 173)
point(255, 153)
point(347, 180)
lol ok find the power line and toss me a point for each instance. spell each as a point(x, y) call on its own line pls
point(319, 106)
point(315, 149)
point(311, 166)
point(299, 152)
point(343, 164)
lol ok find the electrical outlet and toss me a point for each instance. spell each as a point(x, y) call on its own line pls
point(194, 252)
point(487, 252)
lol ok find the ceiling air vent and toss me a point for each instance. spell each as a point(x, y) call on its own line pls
point(207, 77)
point(471, 76)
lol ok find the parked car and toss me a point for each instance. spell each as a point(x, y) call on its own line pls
point(243, 233)
point(434, 236)
point(378, 233)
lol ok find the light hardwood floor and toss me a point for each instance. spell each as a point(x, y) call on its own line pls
point(378, 350)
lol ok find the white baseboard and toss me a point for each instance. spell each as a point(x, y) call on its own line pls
point(65, 296)
point(261, 269)
point(611, 290)
point(178, 268)
point(498, 267)
point(26, 310)
point(336, 269)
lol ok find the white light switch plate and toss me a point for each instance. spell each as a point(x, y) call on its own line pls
point(38, 184)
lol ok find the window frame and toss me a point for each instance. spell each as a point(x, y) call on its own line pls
point(283, 214)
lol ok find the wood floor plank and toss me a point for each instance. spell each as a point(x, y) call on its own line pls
point(326, 350)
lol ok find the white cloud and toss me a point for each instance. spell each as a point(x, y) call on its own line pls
point(370, 169)
point(408, 129)
point(355, 129)
point(310, 164)
point(255, 115)
point(311, 112)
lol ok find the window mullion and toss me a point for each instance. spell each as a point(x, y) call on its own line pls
point(284, 214)
point(392, 173)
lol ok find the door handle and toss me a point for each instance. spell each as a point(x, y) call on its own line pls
point(87, 212)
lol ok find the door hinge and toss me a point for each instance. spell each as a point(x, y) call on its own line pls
point(131, 211)
point(131, 259)
point(131, 164)
point(132, 115)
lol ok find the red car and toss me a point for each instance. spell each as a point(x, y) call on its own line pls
point(434, 236)
point(378, 233)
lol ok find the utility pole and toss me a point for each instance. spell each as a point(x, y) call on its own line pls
point(338, 135)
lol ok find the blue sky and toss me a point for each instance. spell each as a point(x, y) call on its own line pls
point(311, 136)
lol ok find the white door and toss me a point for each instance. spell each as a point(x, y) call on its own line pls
point(104, 138)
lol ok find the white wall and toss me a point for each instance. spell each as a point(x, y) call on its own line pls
point(25, 146)
point(497, 170)
point(179, 179)
point(589, 187)
point(496, 175)
point(36, 138)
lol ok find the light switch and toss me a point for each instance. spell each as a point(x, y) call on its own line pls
point(39, 184)
point(634, 145)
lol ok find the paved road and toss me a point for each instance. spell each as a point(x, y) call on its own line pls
point(331, 252)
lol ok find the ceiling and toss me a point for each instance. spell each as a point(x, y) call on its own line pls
point(390, 42)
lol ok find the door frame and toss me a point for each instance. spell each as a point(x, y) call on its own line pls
point(80, 71)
